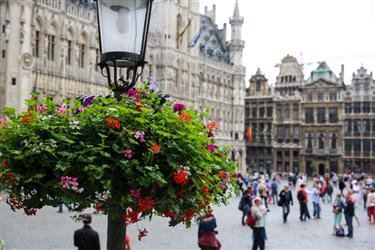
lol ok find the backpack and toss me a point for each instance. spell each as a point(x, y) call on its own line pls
point(250, 220)
point(340, 232)
point(300, 196)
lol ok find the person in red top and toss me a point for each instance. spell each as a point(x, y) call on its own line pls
point(127, 242)
point(302, 197)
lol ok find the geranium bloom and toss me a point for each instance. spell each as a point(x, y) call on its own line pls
point(135, 193)
point(178, 107)
point(204, 190)
point(131, 217)
point(188, 215)
point(62, 109)
point(41, 108)
point(155, 148)
point(211, 125)
point(99, 207)
point(113, 123)
point(28, 119)
point(211, 147)
point(68, 182)
point(145, 203)
point(136, 100)
point(30, 211)
point(184, 116)
point(132, 92)
point(140, 135)
point(180, 177)
point(210, 134)
point(4, 120)
point(128, 153)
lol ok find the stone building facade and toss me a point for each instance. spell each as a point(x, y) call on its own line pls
point(319, 125)
point(258, 123)
point(359, 122)
point(51, 46)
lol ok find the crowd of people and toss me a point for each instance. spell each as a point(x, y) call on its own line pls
point(259, 190)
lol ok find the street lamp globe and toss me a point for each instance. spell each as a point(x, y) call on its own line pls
point(123, 29)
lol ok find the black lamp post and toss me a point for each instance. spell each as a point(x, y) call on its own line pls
point(123, 29)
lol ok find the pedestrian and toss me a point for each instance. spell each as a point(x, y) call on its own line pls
point(349, 213)
point(302, 197)
point(259, 212)
point(285, 200)
point(316, 200)
point(262, 189)
point(342, 186)
point(61, 207)
point(245, 205)
point(371, 205)
point(86, 238)
point(207, 233)
point(364, 191)
point(355, 188)
point(329, 191)
point(239, 183)
point(274, 188)
point(337, 207)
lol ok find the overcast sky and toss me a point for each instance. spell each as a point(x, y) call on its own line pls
point(335, 31)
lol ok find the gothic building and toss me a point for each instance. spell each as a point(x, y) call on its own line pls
point(359, 123)
point(51, 46)
point(258, 122)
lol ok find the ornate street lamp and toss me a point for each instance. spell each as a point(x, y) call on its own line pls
point(123, 29)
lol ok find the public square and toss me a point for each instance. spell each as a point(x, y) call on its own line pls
point(51, 230)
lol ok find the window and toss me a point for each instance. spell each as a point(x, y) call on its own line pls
point(356, 125)
point(348, 108)
point(279, 115)
point(334, 140)
point(261, 112)
point(295, 134)
point(366, 107)
point(320, 96)
point(36, 48)
point(257, 84)
point(373, 128)
point(373, 108)
point(69, 53)
point(4, 28)
point(81, 55)
point(357, 145)
point(366, 145)
point(321, 115)
point(348, 146)
point(333, 96)
point(14, 81)
point(348, 126)
point(309, 97)
point(3, 53)
point(295, 114)
point(333, 116)
point(269, 111)
point(357, 107)
point(321, 140)
point(287, 113)
point(309, 115)
point(254, 112)
point(51, 47)
point(308, 140)
point(366, 124)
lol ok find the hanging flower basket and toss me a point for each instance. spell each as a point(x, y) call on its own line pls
point(139, 156)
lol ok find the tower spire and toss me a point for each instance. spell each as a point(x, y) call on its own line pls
point(236, 12)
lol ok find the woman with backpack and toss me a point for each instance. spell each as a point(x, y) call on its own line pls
point(207, 234)
point(245, 205)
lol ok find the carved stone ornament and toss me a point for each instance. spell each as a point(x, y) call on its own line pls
point(26, 60)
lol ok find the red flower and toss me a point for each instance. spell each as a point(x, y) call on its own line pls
point(184, 116)
point(188, 216)
point(10, 178)
point(99, 207)
point(212, 125)
point(142, 234)
point(15, 203)
point(155, 148)
point(180, 177)
point(28, 119)
point(113, 123)
point(4, 164)
point(145, 203)
point(204, 190)
point(170, 214)
point(30, 211)
point(210, 134)
point(131, 217)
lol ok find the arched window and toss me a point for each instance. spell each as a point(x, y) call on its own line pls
point(51, 43)
point(82, 50)
point(69, 52)
point(37, 39)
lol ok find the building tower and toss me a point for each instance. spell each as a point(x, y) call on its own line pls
point(236, 45)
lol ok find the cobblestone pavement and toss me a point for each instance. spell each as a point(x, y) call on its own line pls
point(51, 230)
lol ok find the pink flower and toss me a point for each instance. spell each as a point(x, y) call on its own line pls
point(178, 107)
point(68, 182)
point(222, 185)
point(135, 193)
point(128, 153)
point(140, 135)
point(4, 120)
point(136, 100)
point(62, 109)
point(211, 147)
point(80, 109)
point(132, 92)
point(41, 108)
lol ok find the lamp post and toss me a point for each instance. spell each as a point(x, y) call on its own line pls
point(123, 29)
